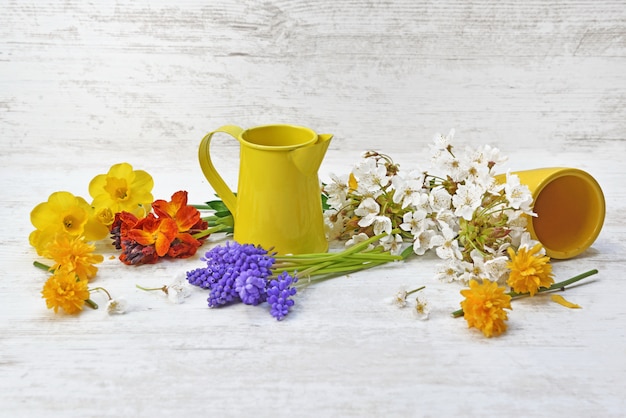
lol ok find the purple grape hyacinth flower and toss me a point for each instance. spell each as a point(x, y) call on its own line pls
point(250, 285)
point(279, 295)
point(234, 271)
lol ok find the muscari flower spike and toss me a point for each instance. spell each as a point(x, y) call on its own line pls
point(234, 272)
point(250, 274)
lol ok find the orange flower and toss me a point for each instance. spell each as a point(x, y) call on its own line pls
point(73, 254)
point(64, 290)
point(159, 232)
point(530, 270)
point(484, 305)
point(183, 246)
point(185, 216)
point(187, 220)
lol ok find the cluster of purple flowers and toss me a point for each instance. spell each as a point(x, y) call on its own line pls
point(241, 272)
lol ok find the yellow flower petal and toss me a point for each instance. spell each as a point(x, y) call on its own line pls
point(63, 290)
point(484, 306)
point(121, 170)
point(562, 301)
point(64, 213)
point(352, 183)
point(122, 189)
point(530, 270)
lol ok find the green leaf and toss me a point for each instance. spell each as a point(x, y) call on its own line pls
point(325, 206)
point(217, 206)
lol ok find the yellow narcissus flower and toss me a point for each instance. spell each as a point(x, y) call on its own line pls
point(122, 189)
point(64, 290)
point(67, 214)
point(530, 270)
point(73, 254)
point(105, 216)
point(484, 306)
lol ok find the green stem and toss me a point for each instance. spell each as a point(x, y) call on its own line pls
point(91, 303)
point(149, 289)
point(555, 286)
point(374, 256)
point(415, 290)
point(209, 231)
point(326, 274)
point(407, 252)
point(41, 266)
point(324, 257)
point(95, 289)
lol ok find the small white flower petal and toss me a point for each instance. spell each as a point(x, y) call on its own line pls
point(422, 308)
point(117, 306)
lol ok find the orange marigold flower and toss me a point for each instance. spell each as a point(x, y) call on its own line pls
point(64, 290)
point(73, 254)
point(484, 306)
point(159, 232)
point(530, 270)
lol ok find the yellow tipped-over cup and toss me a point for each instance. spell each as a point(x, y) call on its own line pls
point(570, 209)
point(278, 202)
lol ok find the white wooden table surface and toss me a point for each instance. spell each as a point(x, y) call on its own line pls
point(84, 85)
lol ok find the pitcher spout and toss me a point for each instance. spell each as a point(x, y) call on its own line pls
point(309, 159)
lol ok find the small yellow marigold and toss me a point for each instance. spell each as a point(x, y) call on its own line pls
point(530, 270)
point(73, 254)
point(64, 290)
point(484, 306)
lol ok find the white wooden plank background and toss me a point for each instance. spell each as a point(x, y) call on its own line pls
point(84, 85)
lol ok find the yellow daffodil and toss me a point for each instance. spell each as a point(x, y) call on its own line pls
point(64, 213)
point(105, 216)
point(64, 290)
point(73, 254)
point(122, 189)
point(484, 307)
point(530, 270)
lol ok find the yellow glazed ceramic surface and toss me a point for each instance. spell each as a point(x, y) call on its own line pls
point(278, 202)
point(570, 209)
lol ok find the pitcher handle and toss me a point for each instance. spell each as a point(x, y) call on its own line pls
point(215, 180)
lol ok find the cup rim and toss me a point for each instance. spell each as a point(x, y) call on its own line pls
point(560, 172)
point(289, 147)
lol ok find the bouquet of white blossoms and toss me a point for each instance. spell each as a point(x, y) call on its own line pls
point(459, 208)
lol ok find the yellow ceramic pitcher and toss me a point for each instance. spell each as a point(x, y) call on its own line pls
point(570, 209)
point(278, 201)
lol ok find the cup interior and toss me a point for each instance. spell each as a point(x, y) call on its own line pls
point(279, 136)
point(570, 212)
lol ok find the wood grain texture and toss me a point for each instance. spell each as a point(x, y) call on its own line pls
point(84, 85)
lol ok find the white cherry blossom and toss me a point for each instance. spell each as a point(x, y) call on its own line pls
point(439, 199)
point(466, 200)
point(337, 191)
point(447, 245)
point(368, 210)
point(414, 222)
point(382, 224)
point(517, 194)
point(392, 243)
